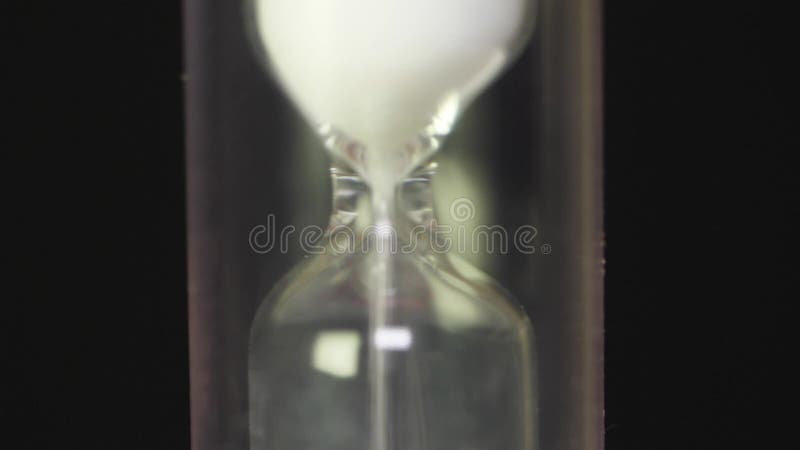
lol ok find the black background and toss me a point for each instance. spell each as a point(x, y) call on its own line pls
point(699, 192)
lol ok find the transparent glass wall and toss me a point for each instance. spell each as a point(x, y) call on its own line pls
point(482, 327)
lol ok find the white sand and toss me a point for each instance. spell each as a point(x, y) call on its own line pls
point(382, 70)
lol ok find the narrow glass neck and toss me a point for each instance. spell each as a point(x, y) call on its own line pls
point(404, 206)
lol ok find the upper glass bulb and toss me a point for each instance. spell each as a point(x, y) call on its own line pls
point(384, 80)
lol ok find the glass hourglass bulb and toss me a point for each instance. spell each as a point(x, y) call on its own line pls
point(384, 80)
point(383, 342)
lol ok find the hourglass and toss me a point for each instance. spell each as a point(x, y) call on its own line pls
point(384, 341)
